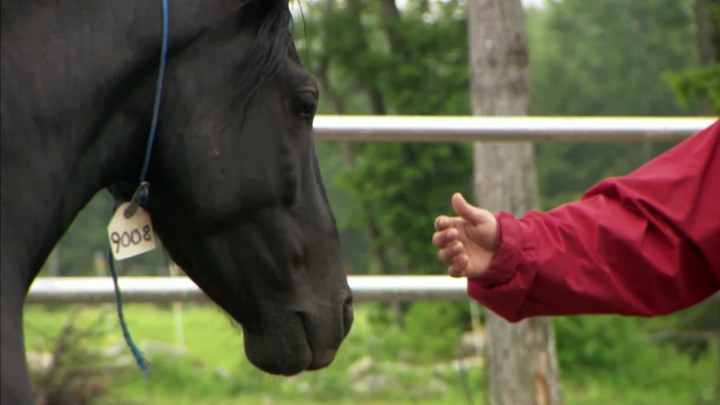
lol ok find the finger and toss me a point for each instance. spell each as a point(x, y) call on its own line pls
point(458, 266)
point(469, 212)
point(447, 255)
point(442, 238)
point(444, 222)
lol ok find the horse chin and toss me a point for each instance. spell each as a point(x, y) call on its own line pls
point(282, 347)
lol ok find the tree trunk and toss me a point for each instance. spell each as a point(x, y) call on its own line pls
point(521, 360)
point(707, 21)
point(707, 18)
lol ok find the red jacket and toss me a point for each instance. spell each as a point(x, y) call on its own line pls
point(643, 244)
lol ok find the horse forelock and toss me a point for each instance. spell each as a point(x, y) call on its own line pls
point(273, 43)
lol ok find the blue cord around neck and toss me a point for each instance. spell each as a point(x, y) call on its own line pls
point(136, 352)
point(143, 191)
point(158, 94)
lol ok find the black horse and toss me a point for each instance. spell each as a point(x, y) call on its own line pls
point(236, 193)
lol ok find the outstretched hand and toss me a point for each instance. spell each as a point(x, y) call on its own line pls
point(468, 241)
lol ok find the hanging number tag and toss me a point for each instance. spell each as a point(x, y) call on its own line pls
point(130, 236)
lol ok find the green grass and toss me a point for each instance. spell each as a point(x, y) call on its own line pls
point(207, 332)
point(214, 369)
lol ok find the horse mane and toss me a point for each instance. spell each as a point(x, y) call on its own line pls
point(273, 43)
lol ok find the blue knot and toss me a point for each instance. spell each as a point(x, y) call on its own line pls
point(140, 197)
point(143, 193)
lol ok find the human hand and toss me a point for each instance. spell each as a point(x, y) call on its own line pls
point(468, 241)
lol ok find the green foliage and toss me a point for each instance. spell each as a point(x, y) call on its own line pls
point(189, 376)
point(368, 52)
point(690, 331)
point(618, 350)
point(607, 57)
point(431, 332)
point(603, 343)
point(693, 85)
point(602, 59)
point(406, 186)
point(417, 61)
point(354, 239)
point(697, 84)
point(67, 365)
point(567, 170)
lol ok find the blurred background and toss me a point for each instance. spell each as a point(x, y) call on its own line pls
point(410, 57)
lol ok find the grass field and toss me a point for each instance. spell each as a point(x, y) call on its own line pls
point(212, 368)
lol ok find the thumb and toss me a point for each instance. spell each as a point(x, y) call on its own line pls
point(467, 211)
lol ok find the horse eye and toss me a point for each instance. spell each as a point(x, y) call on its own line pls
point(304, 105)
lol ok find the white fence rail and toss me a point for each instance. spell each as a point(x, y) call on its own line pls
point(53, 290)
point(97, 290)
point(505, 129)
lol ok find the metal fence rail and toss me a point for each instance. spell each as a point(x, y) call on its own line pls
point(53, 290)
point(506, 129)
point(97, 290)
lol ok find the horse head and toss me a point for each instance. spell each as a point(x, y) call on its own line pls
point(237, 197)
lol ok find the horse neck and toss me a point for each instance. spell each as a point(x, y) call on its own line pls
point(65, 134)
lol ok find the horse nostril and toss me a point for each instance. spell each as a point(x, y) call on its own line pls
point(348, 314)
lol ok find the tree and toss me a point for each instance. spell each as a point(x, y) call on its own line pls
point(603, 58)
point(374, 58)
point(390, 55)
point(702, 84)
point(522, 366)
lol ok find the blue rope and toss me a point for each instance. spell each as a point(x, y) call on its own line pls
point(156, 105)
point(137, 353)
point(143, 191)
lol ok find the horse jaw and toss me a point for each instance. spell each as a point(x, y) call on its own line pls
point(290, 297)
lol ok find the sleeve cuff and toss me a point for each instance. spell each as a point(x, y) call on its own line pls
point(504, 286)
point(504, 264)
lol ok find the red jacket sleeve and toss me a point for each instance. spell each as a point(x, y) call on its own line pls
point(643, 244)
